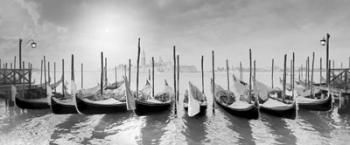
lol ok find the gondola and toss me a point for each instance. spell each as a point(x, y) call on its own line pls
point(321, 101)
point(146, 103)
point(234, 105)
point(31, 101)
point(277, 107)
point(196, 100)
point(86, 105)
point(270, 102)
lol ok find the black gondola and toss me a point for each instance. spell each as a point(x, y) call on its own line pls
point(34, 99)
point(62, 107)
point(146, 104)
point(277, 107)
point(201, 100)
point(236, 107)
point(317, 103)
point(87, 106)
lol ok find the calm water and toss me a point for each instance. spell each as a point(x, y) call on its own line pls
point(42, 127)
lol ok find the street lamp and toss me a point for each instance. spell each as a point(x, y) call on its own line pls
point(325, 42)
point(33, 44)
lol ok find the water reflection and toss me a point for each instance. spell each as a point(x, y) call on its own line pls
point(11, 116)
point(241, 126)
point(195, 128)
point(279, 129)
point(154, 127)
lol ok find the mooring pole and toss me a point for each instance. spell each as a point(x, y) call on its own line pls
point(284, 78)
point(202, 75)
point(174, 57)
point(250, 75)
point(106, 79)
point(63, 85)
point(213, 85)
point(129, 72)
point(54, 74)
point(320, 70)
point(272, 68)
point(82, 76)
point(72, 69)
point(293, 80)
point(44, 75)
point(41, 73)
point(312, 74)
point(153, 77)
point(228, 75)
point(20, 54)
point(101, 85)
point(178, 78)
point(137, 68)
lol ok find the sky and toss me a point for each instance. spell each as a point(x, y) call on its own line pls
point(271, 28)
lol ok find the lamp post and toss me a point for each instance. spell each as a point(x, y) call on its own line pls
point(325, 41)
point(33, 44)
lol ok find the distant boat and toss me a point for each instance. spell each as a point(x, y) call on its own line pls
point(146, 103)
point(195, 102)
point(232, 104)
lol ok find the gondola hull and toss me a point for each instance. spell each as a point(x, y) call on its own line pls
point(321, 105)
point(58, 107)
point(86, 107)
point(289, 112)
point(32, 103)
point(202, 109)
point(143, 107)
point(249, 113)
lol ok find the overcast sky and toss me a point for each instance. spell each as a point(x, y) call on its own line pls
point(230, 27)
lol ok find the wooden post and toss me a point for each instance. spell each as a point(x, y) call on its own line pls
point(291, 73)
point(312, 74)
point(54, 74)
point(213, 71)
point(63, 85)
point(320, 70)
point(273, 67)
point(0, 64)
point(153, 77)
point(14, 67)
point(284, 78)
point(48, 72)
point(137, 68)
point(293, 80)
point(308, 71)
point(178, 78)
point(72, 69)
point(299, 74)
point(129, 72)
point(101, 85)
point(228, 75)
point(174, 58)
point(105, 73)
point(250, 76)
point(30, 76)
point(20, 54)
point(41, 74)
point(240, 71)
point(82, 76)
point(44, 75)
point(202, 74)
